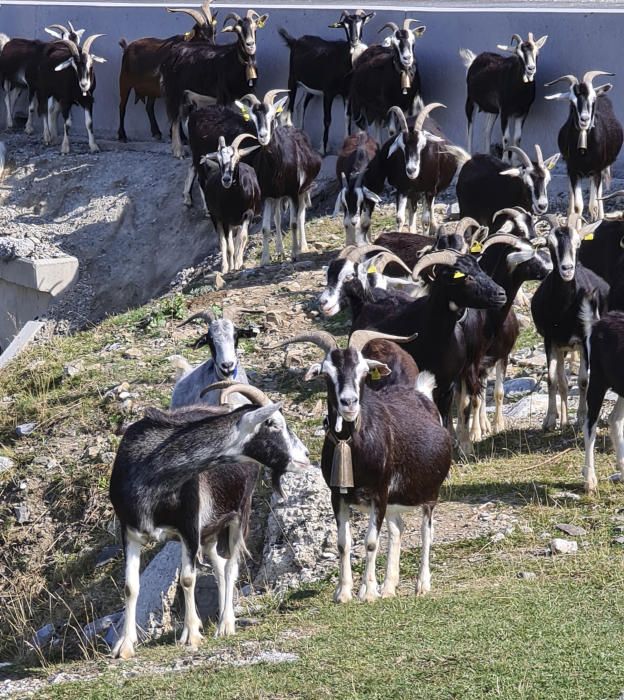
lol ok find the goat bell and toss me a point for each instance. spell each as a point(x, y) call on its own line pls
point(250, 73)
point(582, 140)
point(406, 82)
point(342, 467)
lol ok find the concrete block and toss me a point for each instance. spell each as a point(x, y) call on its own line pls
point(21, 340)
point(50, 275)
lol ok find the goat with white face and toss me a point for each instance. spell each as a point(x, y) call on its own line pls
point(505, 86)
point(564, 307)
point(590, 140)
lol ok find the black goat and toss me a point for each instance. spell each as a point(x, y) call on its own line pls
point(513, 220)
point(385, 76)
point(564, 307)
point(178, 473)
point(223, 72)
point(590, 140)
point(606, 350)
point(65, 76)
point(487, 184)
point(502, 85)
point(399, 453)
point(140, 63)
point(232, 196)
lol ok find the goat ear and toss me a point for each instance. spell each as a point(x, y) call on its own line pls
point(396, 144)
point(512, 172)
point(603, 89)
point(251, 332)
point(261, 21)
point(279, 106)
point(79, 33)
point(378, 368)
point(316, 370)
point(558, 96)
point(503, 47)
point(335, 25)
point(98, 59)
point(550, 163)
point(372, 196)
point(53, 32)
point(419, 31)
point(541, 41)
point(250, 421)
point(65, 64)
point(587, 232)
point(209, 159)
point(368, 16)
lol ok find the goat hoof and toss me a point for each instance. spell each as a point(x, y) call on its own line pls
point(124, 649)
point(225, 629)
point(549, 423)
point(94, 149)
point(342, 595)
point(388, 592)
point(157, 137)
point(423, 586)
point(29, 130)
point(368, 594)
point(499, 426)
point(188, 202)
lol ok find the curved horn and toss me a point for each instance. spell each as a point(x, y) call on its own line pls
point(507, 211)
point(86, 44)
point(389, 25)
point(439, 257)
point(503, 238)
point(424, 113)
point(251, 98)
point(540, 157)
point(72, 47)
point(60, 27)
point(321, 339)
point(232, 15)
point(359, 339)
point(252, 15)
point(356, 253)
point(408, 21)
point(591, 74)
point(400, 114)
point(617, 193)
point(254, 394)
point(217, 386)
point(550, 219)
point(572, 79)
point(380, 261)
point(195, 14)
point(269, 97)
point(206, 315)
point(517, 38)
point(526, 161)
point(206, 9)
point(241, 137)
point(464, 224)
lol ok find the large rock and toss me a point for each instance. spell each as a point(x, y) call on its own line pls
point(527, 407)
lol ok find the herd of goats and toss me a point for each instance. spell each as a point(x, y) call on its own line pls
point(431, 314)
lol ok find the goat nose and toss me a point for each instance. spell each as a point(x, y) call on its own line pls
point(348, 401)
point(227, 367)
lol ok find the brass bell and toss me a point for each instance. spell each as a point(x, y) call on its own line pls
point(342, 467)
point(582, 141)
point(406, 82)
point(250, 73)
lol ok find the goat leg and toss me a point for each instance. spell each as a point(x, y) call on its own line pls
point(93, 147)
point(395, 531)
point(32, 108)
point(187, 196)
point(616, 424)
point(191, 633)
point(124, 648)
point(343, 592)
point(227, 620)
point(595, 396)
point(423, 582)
point(369, 590)
point(499, 395)
point(267, 213)
point(550, 421)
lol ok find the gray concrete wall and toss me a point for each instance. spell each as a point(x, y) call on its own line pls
point(577, 42)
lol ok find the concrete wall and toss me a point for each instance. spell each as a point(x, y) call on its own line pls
point(578, 41)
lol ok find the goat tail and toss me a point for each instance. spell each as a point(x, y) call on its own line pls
point(467, 56)
point(426, 383)
point(181, 365)
point(288, 38)
point(123, 43)
point(4, 40)
point(3, 155)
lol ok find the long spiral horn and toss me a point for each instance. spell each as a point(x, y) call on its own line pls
point(440, 257)
point(424, 113)
point(359, 339)
point(321, 339)
point(207, 10)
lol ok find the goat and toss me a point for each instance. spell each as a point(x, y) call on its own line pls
point(487, 184)
point(590, 140)
point(418, 163)
point(178, 474)
point(385, 76)
point(606, 345)
point(223, 72)
point(356, 200)
point(286, 168)
point(207, 124)
point(502, 85)
point(399, 456)
point(222, 338)
point(141, 59)
point(321, 67)
point(232, 196)
point(564, 307)
point(65, 77)
point(516, 221)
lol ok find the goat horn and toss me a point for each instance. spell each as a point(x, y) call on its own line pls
point(502, 239)
point(254, 394)
point(322, 339)
point(72, 47)
point(86, 44)
point(252, 14)
point(550, 219)
point(241, 137)
point(522, 155)
point(380, 261)
point(57, 26)
point(540, 157)
point(617, 193)
point(517, 38)
point(217, 386)
point(408, 21)
point(424, 113)
point(195, 14)
point(359, 339)
point(232, 15)
point(356, 253)
point(513, 213)
point(206, 9)
point(439, 257)
point(572, 79)
point(250, 97)
point(389, 25)
point(270, 96)
point(466, 223)
point(206, 315)
point(591, 74)
point(400, 114)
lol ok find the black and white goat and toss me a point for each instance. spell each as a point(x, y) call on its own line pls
point(65, 77)
point(418, 163)
point(606, 351)
point(564, 307)
point(502, 85)
point(223, 72)
point(232, 197)
point(400, 456)
point(221, 337)
point(186, 473)
point(385, 76)
point(322, 68)
point(356, 200)
point(487, 184)
point(590, 140)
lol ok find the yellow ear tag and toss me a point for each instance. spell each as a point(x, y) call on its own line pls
point(188, 36)
point(476, 247)
point(457, 275)
point(371, 270)
point(589, 237)
point(279, 110)
point(260, 24)
point(245, 117)
point(375, 374)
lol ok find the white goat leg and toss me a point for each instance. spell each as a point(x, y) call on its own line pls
point(550, 421)
point(125, 645)
point(191, 633)
point(562, 383)
point(369, 590)
point(499, 397)
point(188, 186)
point(267, 214)
point(227, 622)
point(589, 470)
point(301, 219)
point(395, 531)
point(400, 212)
point(343, 592)
point(616, 424)
point(423, 582)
